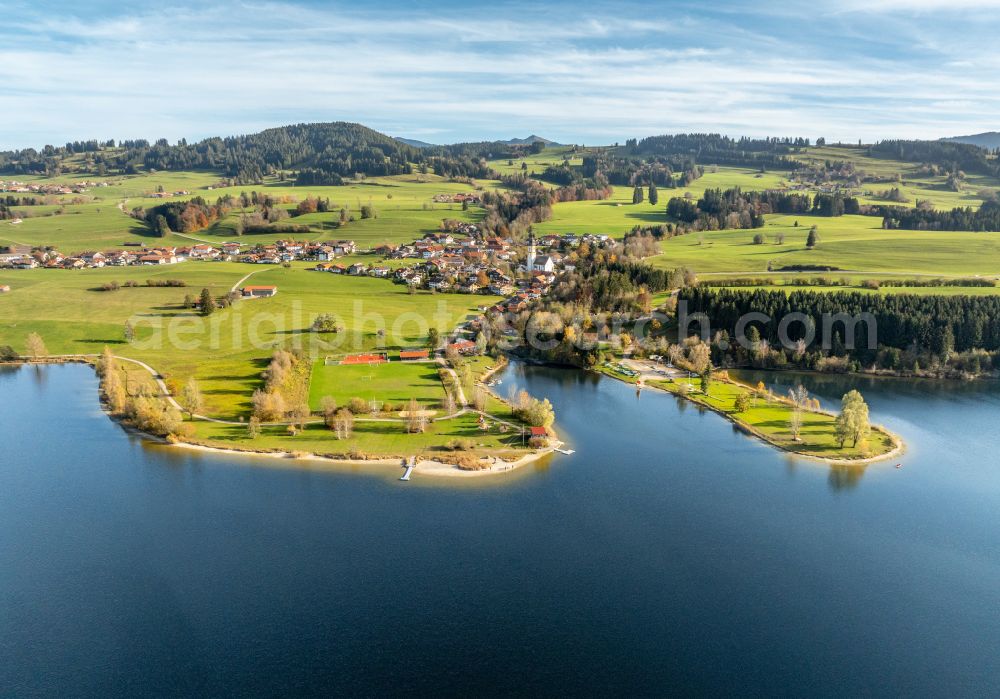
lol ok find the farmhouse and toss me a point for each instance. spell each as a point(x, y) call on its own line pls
point(259, 292)
point(344, 247)
point(463, 346)
point(93, 259)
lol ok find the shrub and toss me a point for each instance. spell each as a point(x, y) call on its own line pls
point(325, 323)
point(358, 406)
point(469, 462)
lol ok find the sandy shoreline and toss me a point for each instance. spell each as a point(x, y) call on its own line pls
point(425, 467)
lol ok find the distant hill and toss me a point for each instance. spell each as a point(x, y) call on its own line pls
point(415, 143)
point(529, 140)
point(510, 142)
point(316, 154)
point(990, 139)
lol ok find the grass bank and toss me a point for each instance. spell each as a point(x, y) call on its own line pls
point(769, 418)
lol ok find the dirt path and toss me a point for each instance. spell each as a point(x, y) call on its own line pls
point(240, 282)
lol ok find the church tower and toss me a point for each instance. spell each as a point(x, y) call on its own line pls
point(530, 263)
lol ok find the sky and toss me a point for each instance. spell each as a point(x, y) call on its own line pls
point(443, 72)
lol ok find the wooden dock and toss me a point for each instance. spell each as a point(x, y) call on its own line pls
point(410, 465)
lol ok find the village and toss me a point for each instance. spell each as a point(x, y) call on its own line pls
point(47, 188)
point(458, 259)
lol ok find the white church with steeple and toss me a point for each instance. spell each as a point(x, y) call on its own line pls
point(535, 262)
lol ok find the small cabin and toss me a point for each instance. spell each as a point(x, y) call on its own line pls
point(259, 292)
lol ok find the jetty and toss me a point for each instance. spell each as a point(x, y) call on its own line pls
point(410, 465)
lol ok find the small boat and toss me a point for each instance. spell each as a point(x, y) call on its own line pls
point(899, 465)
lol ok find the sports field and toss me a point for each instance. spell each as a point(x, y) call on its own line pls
point(392, 383)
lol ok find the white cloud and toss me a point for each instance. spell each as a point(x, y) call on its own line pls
point(174, 72)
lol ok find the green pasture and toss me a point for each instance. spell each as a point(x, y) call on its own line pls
point(228, 350)
point(404, 208)
point(850, 243)
point(618, 215)
point(383, 438)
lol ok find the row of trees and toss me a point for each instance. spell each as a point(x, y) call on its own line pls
point(770, 153)
point(985, 218)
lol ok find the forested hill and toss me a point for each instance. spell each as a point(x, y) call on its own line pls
point(949, 155)
point(716, 149)
point(325, 151)
point(337, 149)
point(989, 140)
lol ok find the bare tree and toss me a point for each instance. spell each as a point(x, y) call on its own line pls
point(416, 421)
point(36, 346)
point(479, 399)
point(800, 400)
point(344, 424)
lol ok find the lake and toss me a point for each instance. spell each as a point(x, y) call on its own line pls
point(670, 554)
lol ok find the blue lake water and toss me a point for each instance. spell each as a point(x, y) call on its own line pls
point(669, 554)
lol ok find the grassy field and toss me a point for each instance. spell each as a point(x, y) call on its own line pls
point(373, 438)
point(618, 215)
point(537, 162)
point(404, 206)
point(228, 350)
point(913, 184)
point(393, 383)
point(770, 419)
point(851, 243)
